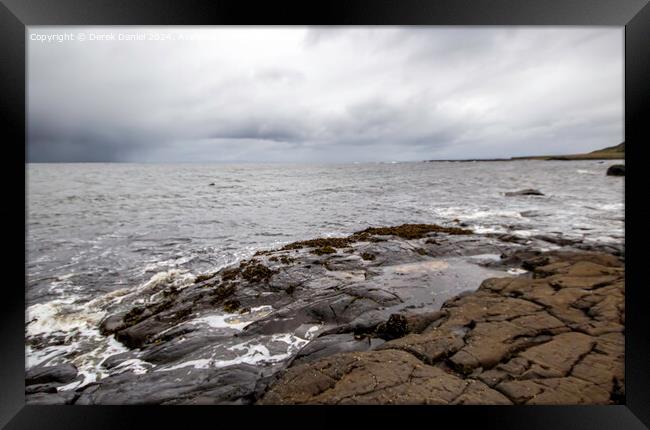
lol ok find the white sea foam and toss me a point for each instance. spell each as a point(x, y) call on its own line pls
point(311, 332)
point(493, 257)
point(465, 213)
point(77, 322)
point(134, 365)
point(82, 345)
point(174, 277)
point(221, 321)
point(235, 321)
point(480, 229)
point(62, 315)
point(492, 213)
point(612, 206)
point(173, 263)
point(250, 352)
point(516, 271)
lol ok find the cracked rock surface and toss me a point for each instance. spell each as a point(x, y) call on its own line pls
point(556, 337)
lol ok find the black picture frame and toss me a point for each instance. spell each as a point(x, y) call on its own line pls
point(16, 15)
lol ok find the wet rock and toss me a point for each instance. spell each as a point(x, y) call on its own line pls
point(616, 170)
point(331, 344)
point(41, 388)
point(411, 231)
point(336, 306)
point(42, 341)
point(139, 334)
point(399, 325)
point(557, 240)
point(532, 214)
point(62, 373)
point(364, 324)
point(515, 259)
point(46, 398)
point(187, 385)
point(168, 352)
point(512, 238)
point(368, 256)
point(117, 359)
point(615, 249)
point(525, 192)
point(324, 250)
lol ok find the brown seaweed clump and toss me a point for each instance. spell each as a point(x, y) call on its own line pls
point(223, 291)
point(368, 256)
point(231, 306)
point(230, 274)
point(134, 315)
point(257, 273)
point(405, 231)
point(411, 231)
point(287, 260)
point(324, 250)
point(333, 242)
point(203, 277)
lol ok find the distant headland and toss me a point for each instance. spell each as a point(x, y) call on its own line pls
point(616, 152)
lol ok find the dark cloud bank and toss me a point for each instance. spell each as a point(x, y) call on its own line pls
point(325, 94)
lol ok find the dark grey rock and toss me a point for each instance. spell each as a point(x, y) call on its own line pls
point(532, 214)
point(616, 170)
point(168, 352)
point(557, 240)
point(117, 359)
point(42, 388)
point(526, 192)
point(111, 324)
point(324, 346)
point(61, 373)
point(228, 385)
point(44, 398)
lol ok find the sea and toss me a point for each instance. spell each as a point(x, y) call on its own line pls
point(94, 229)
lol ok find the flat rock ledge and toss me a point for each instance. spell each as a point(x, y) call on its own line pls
point(556, 337)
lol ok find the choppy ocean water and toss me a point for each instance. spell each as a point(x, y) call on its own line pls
point(95, 231)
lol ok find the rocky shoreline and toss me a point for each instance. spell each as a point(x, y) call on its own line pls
point(616, 152)
point(385, 315)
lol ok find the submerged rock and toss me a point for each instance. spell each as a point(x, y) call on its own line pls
point(526, 192)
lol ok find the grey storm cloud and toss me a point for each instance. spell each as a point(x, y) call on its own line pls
point(323, 94)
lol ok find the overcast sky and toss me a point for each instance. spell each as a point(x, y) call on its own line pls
point(319, 94)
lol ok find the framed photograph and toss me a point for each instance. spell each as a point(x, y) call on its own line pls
point(419, 209)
